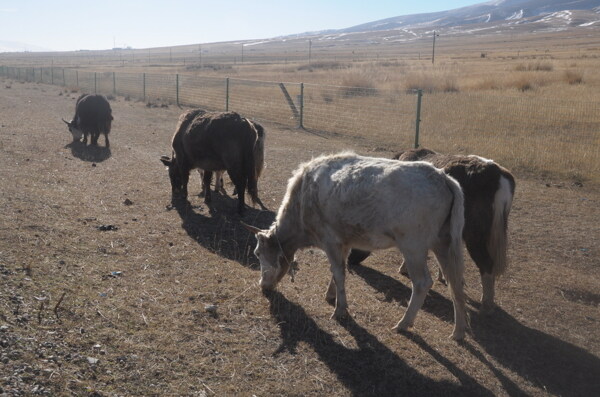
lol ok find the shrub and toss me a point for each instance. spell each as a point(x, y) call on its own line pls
point(358, 84)
point(535, 67)
point(573, 77)
point(523, 84)
point(325, 65)
point(435, 82)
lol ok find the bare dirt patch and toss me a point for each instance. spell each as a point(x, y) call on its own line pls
point(108, 289)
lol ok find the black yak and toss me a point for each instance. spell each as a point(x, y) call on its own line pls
point(93, 116)
point(213, 142)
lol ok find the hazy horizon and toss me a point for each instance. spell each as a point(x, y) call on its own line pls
point(67, 25)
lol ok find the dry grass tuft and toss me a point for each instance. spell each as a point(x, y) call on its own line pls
point(323, 65)
point(358, 83)
point(573, 77)
point(431, 82)
point(535, 67)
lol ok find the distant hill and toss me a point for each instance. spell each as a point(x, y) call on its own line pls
point(491, 12)
point(15, 46)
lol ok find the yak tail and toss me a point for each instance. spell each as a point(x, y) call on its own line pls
point(253, 157)
point(454, 271)
point(259, 149)
point(498, 241)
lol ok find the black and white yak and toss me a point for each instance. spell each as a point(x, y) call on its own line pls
point(488, 190)
point(213, 142)
point(93, 116)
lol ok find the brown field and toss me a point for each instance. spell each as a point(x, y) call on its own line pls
point(530, 100)
point(126, 311)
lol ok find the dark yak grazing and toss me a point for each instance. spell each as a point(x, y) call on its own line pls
point(213, 142)
point(93, 116)
point(259, 162)
point(488, 189)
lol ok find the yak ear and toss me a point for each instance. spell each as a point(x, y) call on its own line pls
point(166, 160)
point(252, 229)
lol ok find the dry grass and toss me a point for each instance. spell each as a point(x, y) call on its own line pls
point(537, 67)
point(168, 303)
point(573, 77)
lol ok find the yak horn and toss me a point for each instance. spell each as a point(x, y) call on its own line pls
point(251, 229)
point(66, 122)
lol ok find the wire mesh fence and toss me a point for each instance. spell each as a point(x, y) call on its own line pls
point(546, 135)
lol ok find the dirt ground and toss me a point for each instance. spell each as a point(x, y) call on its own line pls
point(107, 289)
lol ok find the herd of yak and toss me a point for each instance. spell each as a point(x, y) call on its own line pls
point(347, 205)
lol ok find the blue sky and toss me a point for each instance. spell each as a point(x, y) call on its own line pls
point(100, 24)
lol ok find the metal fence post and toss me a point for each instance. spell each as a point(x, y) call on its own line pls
point(114, 84)
point(177, 88)
point(95, 84)
point(64, 82)
point(144, 86)
point(52, 75)
point(77, 78)
point(418, 120)
point(301, 106)
point(227, 94)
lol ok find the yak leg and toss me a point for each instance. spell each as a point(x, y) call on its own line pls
point(403, 271)
point(337, 256)
point(206, 179)
point(239, 181)
point(454, 277)
point(106, 141)
point(357, 256)
point(202, 191)
point(331, 292)
point(85, 135)
point(416, 262)
point(487, 297)
point(95, 135)
point(219, 185)
point(478, 250)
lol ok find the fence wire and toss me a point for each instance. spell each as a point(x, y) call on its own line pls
point(541, 134)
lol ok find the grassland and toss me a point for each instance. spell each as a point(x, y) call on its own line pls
point(167, 303)
point(529, 100)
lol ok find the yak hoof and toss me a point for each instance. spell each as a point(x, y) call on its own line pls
point(403, 325)
point(487, 308)
point(340, 314)
point(458, 335)
point(330, 300)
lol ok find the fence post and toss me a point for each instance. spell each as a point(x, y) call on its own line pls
point(64, 82)
point(301, 106)
point(227, 94)
point(77, 78)
point(418, 120)
point(144, 86)
point(114, 84)
point(177, 88)
point(41, 75)
point(95, 84)
point(52, 75)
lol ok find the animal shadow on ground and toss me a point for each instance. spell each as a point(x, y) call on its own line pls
point(91, 153)
point(220, 229)
point(394, 291)
point(553, 365)
point(372, 369)
point(556, 366)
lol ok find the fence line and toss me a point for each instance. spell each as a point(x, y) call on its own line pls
point(540, 134)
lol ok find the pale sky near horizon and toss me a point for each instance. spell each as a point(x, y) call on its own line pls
point(66, 25)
